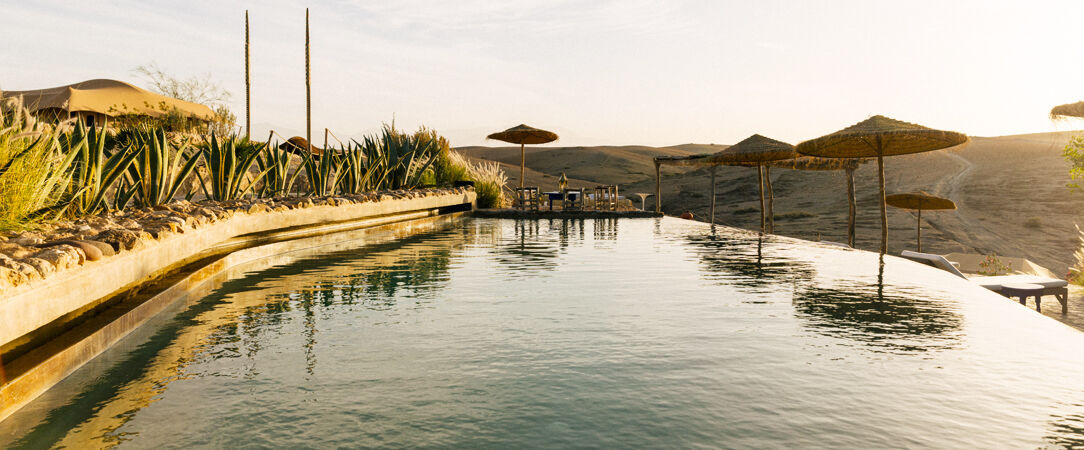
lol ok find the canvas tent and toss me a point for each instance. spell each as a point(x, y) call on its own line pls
point(97, 99)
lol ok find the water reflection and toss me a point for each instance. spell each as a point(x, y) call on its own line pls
point(1067, 430)
point(233, 321)
point(748, 262)
point(904, 322)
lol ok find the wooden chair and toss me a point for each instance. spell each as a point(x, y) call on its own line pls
point(572, 202)
point(527, 198)
point(606, 198)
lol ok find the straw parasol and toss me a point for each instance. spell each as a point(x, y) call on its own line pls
point(1068, 110)
point(754, 151)
point(523, 134)
point(878, 137)
point(919, 201)
point(849, 165)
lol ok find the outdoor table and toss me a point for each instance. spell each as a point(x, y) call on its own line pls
point(553, 195)
point(1023, 291)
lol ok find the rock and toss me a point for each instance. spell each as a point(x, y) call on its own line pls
point(28, 238)
point(90, 251)
point(106, 249)
point(10, 278)
point(42, 266)
point(62, 257)
point(15, 250)
point(120, 239)
point(28, 272)
point(257, 208)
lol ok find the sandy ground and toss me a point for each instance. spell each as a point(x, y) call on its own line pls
point(1011, 193)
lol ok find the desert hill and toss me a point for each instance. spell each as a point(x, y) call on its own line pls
point(1010, 190)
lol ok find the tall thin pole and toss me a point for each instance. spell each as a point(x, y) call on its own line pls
point(884, 212)
point(760, 185)
point(522, 163)
point(852, 204)
point(248, 83)
point(308, 86)
point(771, 198)
point(658, 188)
point(713, 168)
point(918, 230)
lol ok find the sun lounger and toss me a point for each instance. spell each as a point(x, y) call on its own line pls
point(1051, 286)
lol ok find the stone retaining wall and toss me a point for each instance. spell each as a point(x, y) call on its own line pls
point(47, 275)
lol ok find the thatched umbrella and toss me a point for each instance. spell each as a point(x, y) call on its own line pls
point(523, 134)
point(825, 164)
point(878, 137)
point(919, 201)
point(1068, 110)
point(754, 151)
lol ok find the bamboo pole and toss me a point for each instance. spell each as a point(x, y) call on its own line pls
point(771, 198)
point(308, 86)
point(248, 83)
point(918, 231)
point(852, 206)
point(881, 195)
point(760, 185)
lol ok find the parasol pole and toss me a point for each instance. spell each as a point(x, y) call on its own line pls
point(713, 168)
point(853, 206)
point(522, 163)
point(760, 185)
point(771, 198)
point(881, 196)
point(918, 229)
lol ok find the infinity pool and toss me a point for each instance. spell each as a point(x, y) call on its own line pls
point(580, 333)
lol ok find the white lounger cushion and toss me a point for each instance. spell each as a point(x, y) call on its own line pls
point(995, 283)
point(937, 261)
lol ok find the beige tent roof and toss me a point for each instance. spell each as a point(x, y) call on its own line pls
point(109, 97)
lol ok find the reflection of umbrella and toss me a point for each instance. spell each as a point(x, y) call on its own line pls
point(848, 165)
point(919, 201)
point(1068, 110)
point(755, 151)
point(521, 135)
point(878, 137)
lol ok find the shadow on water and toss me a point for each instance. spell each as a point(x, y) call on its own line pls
point(877, 316)
point(371, 276)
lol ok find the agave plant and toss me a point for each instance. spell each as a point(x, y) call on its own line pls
point(95, 170)
point(278, 180)
point(321, 172)
point(352, 175)
point(228, 169)
point(396, 160)
point(159, 170)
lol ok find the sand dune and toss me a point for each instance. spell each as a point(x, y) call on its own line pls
point(1011, 193)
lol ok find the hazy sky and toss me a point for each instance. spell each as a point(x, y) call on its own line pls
point(595, 72)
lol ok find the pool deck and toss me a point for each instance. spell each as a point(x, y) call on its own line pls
point(509, 213)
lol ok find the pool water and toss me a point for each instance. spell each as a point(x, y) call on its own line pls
point(580, 333)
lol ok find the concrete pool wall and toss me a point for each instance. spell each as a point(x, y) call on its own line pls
point(50, 327)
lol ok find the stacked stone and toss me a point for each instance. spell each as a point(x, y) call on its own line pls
point(34, 255)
